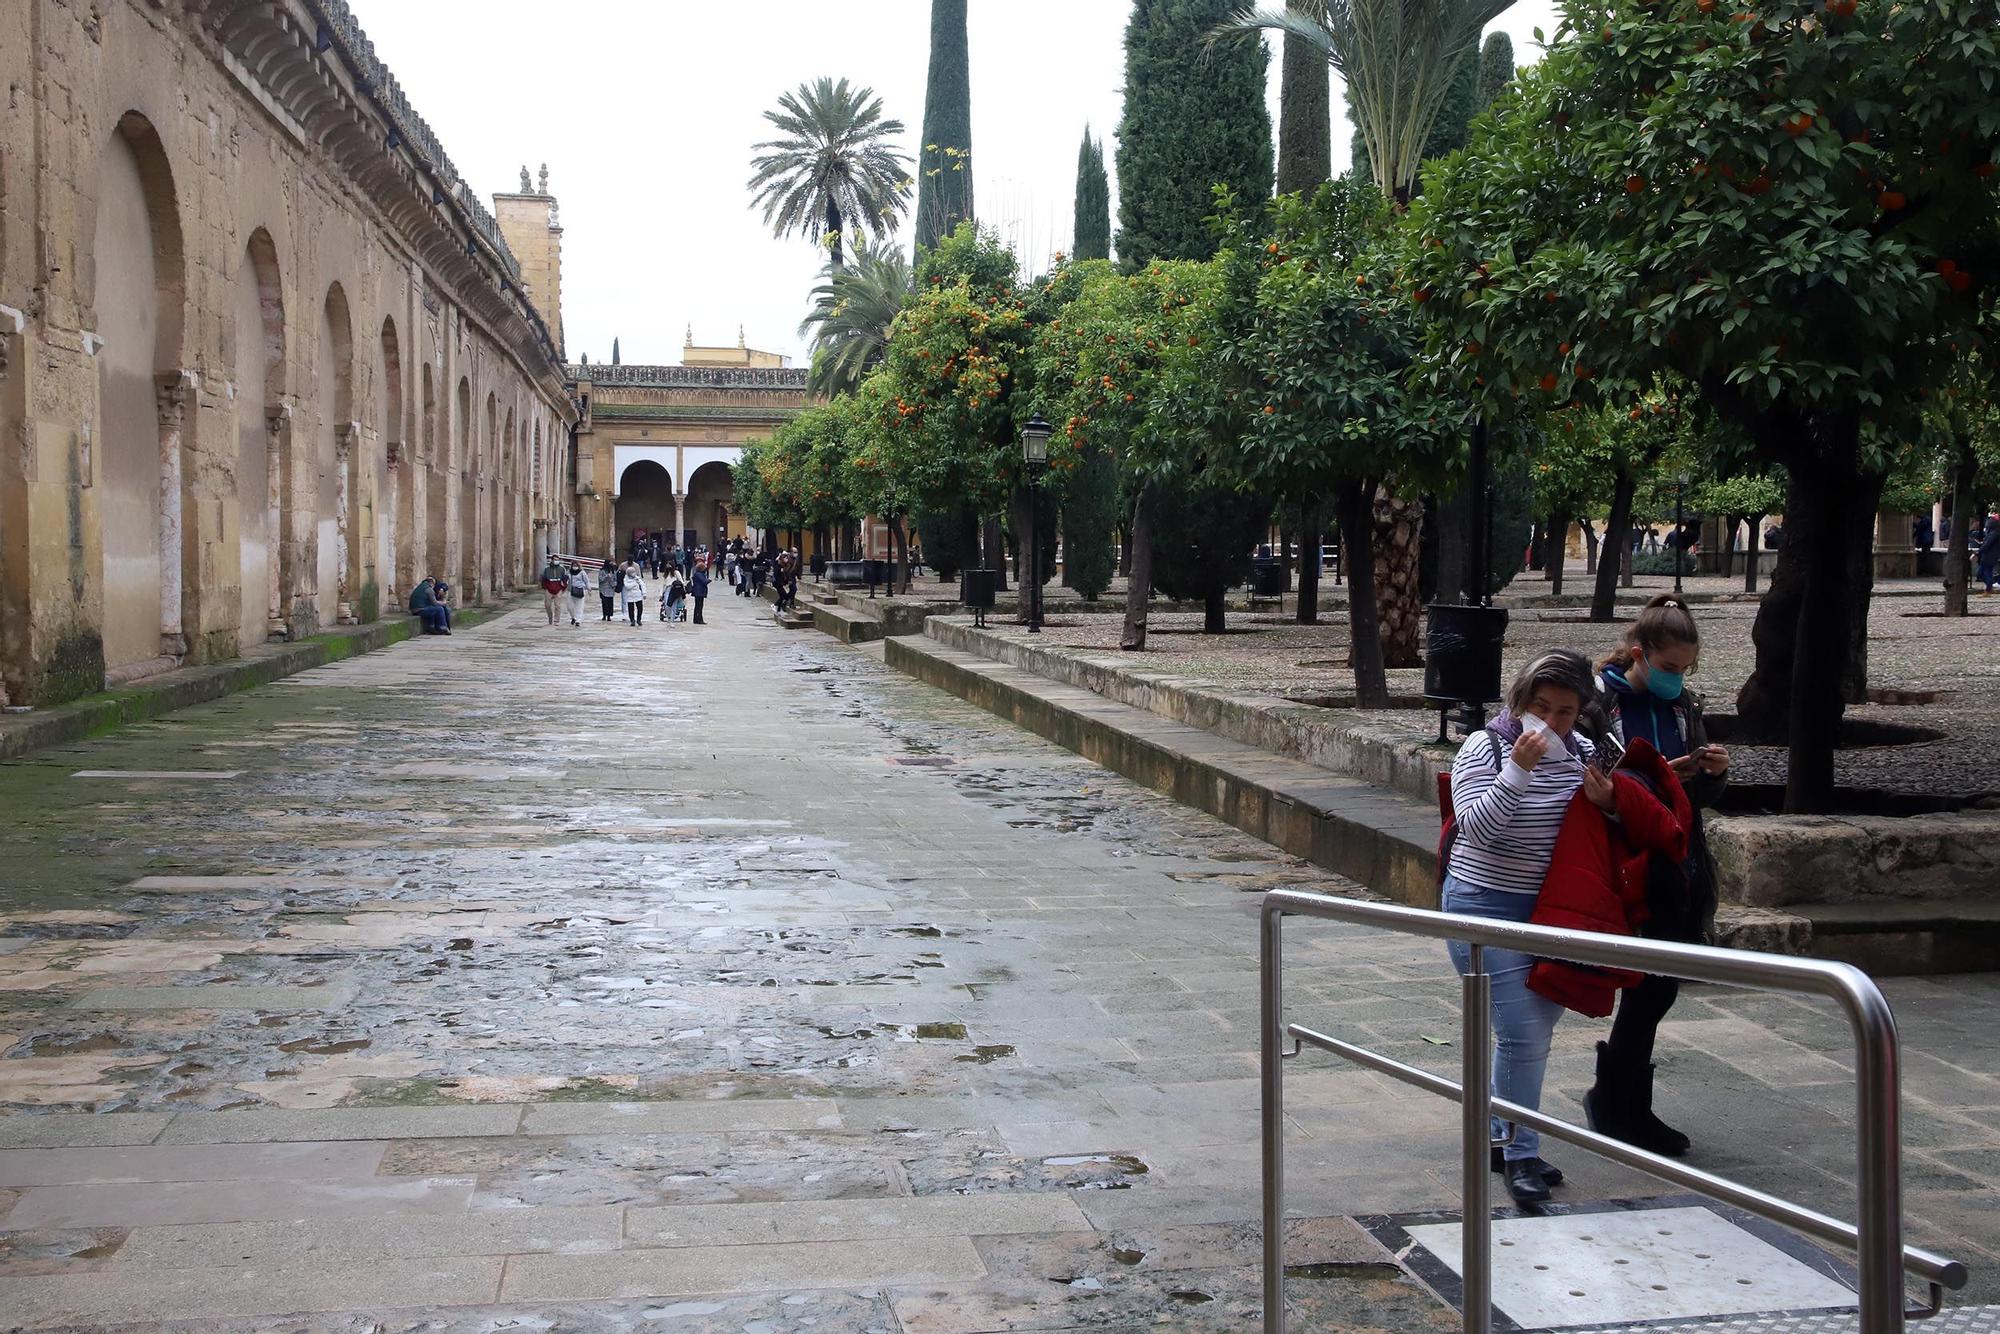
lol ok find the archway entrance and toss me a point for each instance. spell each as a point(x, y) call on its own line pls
point(710, 491)
point(645, 500)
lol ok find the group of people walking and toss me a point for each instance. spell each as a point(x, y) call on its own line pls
point(621, 588)
point(1580, 806)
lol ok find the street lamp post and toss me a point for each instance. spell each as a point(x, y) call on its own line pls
point(1680, 526)
point(1035, 455)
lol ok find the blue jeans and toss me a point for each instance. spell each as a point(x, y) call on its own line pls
point(434, 618)
point(1523, 1022)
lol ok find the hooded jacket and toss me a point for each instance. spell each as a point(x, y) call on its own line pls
point(1599, 874)
point(1676, 728)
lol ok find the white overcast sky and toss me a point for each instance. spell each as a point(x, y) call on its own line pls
point(646, 112)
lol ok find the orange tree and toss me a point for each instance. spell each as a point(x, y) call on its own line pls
point(795, 476)
point(1318, 351)
point(1790, 203)
point(1129, 365)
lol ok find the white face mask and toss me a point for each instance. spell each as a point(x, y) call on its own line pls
point(1534, 722)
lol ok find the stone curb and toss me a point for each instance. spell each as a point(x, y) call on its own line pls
point(107, 711)
point(849, 627)
point(1303, 732)
point(1382, 839)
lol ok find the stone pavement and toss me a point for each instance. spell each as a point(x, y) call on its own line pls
point(614, 978)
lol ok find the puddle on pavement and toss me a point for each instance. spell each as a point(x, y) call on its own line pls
point(986, 1055)
point(1352, 1270)
point(1189, 1296)
point(1127, 1255)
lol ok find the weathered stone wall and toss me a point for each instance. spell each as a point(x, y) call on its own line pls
point(243, 296)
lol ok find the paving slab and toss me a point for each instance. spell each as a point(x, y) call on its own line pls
point(338, 1123)
point(262, 1290)
point(217, 997)
point(854, 1220)
point(704, 1269)
point(633, 1118)
point(140, 1203)
point(97, 1164)
point(344, 1241)
point(59, 1130)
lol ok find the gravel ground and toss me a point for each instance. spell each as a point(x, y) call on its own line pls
point(1911, 648)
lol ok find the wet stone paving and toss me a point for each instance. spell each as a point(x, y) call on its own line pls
point(723, 979)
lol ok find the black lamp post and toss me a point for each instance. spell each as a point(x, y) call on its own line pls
point(1035, 454)
point(1680, 526)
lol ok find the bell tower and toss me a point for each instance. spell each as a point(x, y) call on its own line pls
point(531, 224)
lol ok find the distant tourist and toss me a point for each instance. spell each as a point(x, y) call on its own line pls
point(698, 587)
point(818, 566)
point(424, 605)
point(579, 589)
point(607, 587)
point(555, 582)
point(1510, 788)
point(633, 591)
point(1646, 699)
point(675, 598)
point(1989, 551)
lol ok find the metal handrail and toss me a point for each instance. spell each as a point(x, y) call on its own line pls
point(1877, 1241)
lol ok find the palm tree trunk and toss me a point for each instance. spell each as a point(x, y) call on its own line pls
point(833, 230)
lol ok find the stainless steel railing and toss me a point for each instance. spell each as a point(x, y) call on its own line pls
point(1877, 1242)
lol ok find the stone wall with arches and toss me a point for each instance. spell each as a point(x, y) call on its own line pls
point(265, 359)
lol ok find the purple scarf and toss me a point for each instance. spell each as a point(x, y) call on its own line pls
point(1508, 728)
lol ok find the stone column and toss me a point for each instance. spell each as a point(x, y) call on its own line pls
point(389, 522)
point(680, 517)
point(277, 430)
point(344, 438)
point(172, 389)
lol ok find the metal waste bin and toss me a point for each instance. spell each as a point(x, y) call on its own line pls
point(1268, 577)
point(1462, 654)
point(976, 591)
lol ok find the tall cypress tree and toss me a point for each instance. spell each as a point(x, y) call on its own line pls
point(1305, 117)
point(1093, 202)
point(944, 160)
point(1496, 66)
point(1194, 118)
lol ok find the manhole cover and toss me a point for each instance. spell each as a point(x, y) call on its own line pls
point(1563, 1271)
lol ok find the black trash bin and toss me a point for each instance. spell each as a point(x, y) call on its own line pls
point(1267, 577)
point(976, 591)
point(1462, 654)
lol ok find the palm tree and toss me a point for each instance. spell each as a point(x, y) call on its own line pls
point(1397, 57)
point(833, 169)
point(852, 310)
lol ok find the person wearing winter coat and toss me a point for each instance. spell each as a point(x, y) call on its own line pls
point(425, 606)
point(698, 586)
point(675, 608)
point(1646, 699)
point(579, 589)
point(555, 582)
point(607, 588)
point(1604, 874)
point(634, 593)
point(1511, 785)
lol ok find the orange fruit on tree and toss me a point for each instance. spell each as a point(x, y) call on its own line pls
point(1549, 382)
point(1798, 125)
point(1634, 184)
point(1891, 200)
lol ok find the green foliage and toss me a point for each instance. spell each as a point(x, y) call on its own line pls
point(1745, 493)
point(972, 256)
point(833, 168)
point(951, 539)
point(1193, 119)
point(796, 478)
point(1496, 67)
point(1318, 350)
point(853, 308)
point(1093, 202)
point(1204, 530)
point(1130, 365)
point(1400, 60)
point(1090, 511)
point(944, 166)
point(1305, 117)
point(1512, 519)
point(1462, 101)
point(1762, 206)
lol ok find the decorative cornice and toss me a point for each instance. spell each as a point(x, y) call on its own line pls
point(693, 377)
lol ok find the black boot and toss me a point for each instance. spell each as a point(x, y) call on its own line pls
point(1620, 1105)
point(1526, 1183)
point(1551, 1174)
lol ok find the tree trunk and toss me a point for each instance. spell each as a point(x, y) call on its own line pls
point(1858, 541)
point(1558, 557)
point(1354, 507)
point(1728, 553)
point(1139, 587)
point(1958, 556)
point(1756, 540)
point(1398, 562)
point(1538, 546)
point(993, 546)
point(1589, 546)
point(1617, 538)
point(1214, 606)
point(900, 537)
point(1310, 534)
point(834, 229)
point(1125, 553)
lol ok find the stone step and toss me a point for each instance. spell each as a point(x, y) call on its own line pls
point(1382, 839)
point(849, 627)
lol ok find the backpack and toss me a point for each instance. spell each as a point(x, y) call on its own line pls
point(618, 585)
point(1448, 833)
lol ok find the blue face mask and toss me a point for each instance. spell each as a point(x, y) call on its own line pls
point(1665, 685)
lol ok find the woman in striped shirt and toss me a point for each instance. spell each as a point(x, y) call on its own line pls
point(1511, 786)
